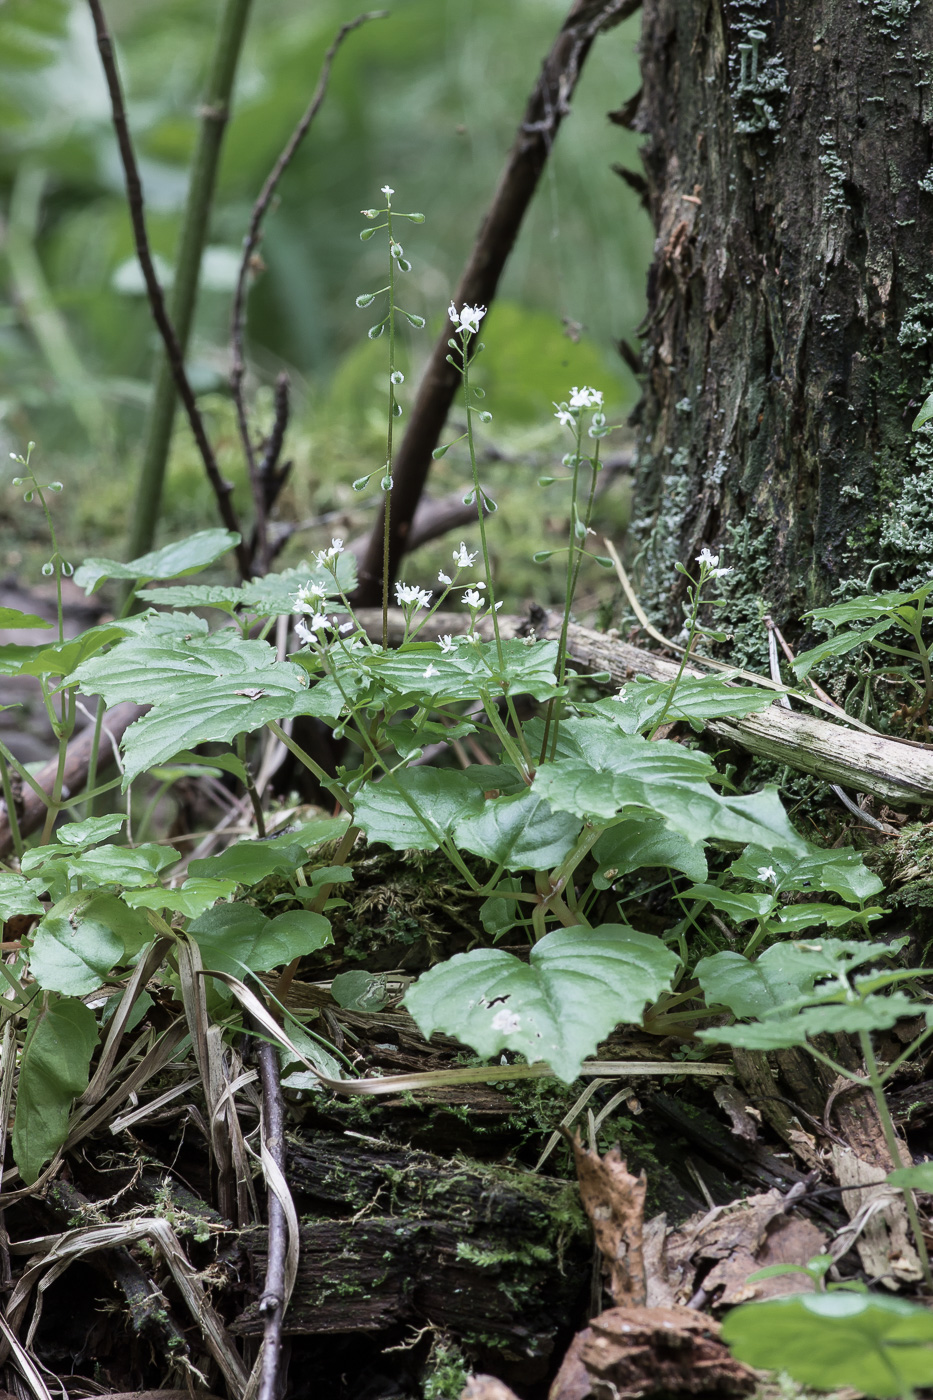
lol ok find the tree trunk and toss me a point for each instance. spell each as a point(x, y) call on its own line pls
point(789, 334)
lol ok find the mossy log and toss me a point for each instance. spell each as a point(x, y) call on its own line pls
point(900, 772)
point(492, 1256)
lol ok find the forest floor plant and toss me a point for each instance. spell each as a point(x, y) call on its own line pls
point(569, 796)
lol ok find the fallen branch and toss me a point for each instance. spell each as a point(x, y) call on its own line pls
point(547, 106)
point(897, 771)
point(77, 765)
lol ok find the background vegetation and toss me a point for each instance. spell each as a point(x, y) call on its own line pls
point(427, 99)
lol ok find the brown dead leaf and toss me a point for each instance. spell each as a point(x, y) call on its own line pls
point(614, 1200)
point(739, 1239)
point(637, 1352)
point(486, 1388)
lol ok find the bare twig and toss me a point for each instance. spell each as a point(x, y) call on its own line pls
point(272, 1302)
point(258, 471)
point(546, 108)
point(134, 195)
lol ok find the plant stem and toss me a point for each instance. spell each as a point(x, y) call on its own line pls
point(691, 634)
point(387, 472)
point(215, 111)
point(478, 496)
point(890, 1137)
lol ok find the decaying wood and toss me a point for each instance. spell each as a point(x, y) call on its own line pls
point(635, 1352)
point(898, 772)
point(403, 1236)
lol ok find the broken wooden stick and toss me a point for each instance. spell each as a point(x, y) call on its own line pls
point(896, 770)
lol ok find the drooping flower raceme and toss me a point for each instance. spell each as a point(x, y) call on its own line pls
point(466, 321)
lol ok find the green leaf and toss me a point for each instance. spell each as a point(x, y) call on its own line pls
point(578, 985)
point(360, 991)
point(76, 947)
point(918, 1178)
point(794, 917)
point(132, 867)
point(248, 862)
point(882, 1346)
point(202, 688)
point(638, 843)
point(442, 796)
point(925, 414)
point(194, 897)
point(520, 832)
point(60, 1039)
point(187, 556)
point(841, 871)
point(840, 645)
point(740, 907)
point(777, 1032)
point(274, 594)
point(12, 620)
point(234, 936)
point(194, 595)
point(868, 605)
point(696, 699)
point(18, 896)
point(61, 660)
point(86, 833)
point(754, 988)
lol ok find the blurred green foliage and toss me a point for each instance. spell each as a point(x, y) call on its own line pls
point(427, 99)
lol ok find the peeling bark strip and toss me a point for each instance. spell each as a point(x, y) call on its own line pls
point(546, 109)
point(898, 772)
point(789, 334)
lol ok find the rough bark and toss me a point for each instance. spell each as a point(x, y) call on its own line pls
point(789, 334)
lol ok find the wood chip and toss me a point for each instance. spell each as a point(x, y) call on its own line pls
point(635, 1352)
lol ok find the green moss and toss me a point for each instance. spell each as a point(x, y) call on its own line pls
point(446, 1371)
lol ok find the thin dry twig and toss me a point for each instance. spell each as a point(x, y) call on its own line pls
point(274, 1293)
point(547, 106)
point(260, 474)
point(134, 197)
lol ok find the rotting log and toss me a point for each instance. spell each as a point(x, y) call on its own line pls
point(406, 1237)
point(898, 771)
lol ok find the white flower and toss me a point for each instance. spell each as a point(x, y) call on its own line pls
point(585, 398)
point(472, 598)
point(309, 596)
point(463, 558)
point(444, 579)
point(431, 671)
point(407, 593)
point(387, 190)
point(710, 562)
point(327, 556)
point(319, 621)
point(304, 633)
point(621, 693)
point(397, 377)
point(565, 418)
point(468, 319)
point(446, 642)
point(766, 873)
point(345, 627)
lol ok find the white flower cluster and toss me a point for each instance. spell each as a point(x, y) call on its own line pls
point(466, 321)
point(709, 563)
point(586, 397)
point(463, 560)
point(325, 557)
point(407, 595)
